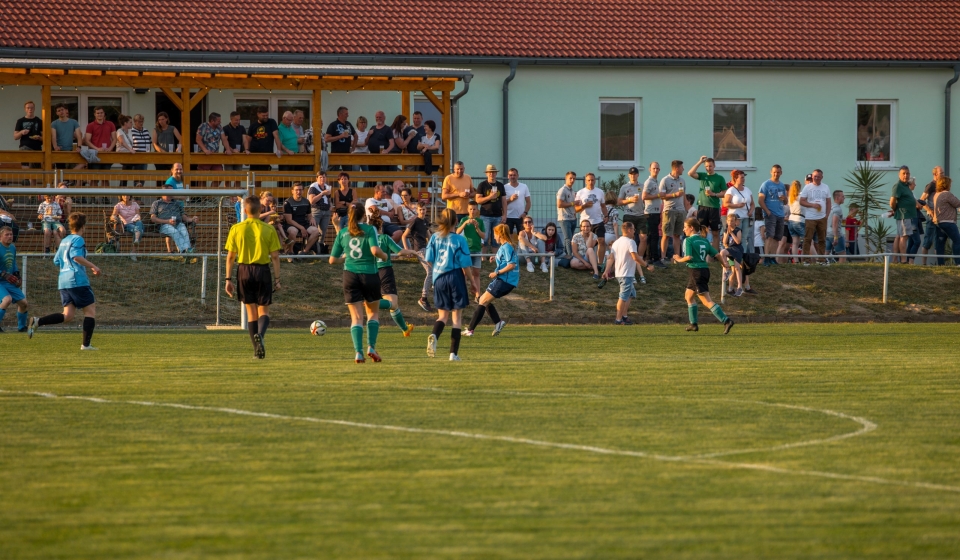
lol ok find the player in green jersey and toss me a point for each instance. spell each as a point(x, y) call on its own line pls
point(696, 248)
point(388, 284)
point(356, 246)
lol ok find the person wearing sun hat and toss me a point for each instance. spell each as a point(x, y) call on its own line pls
point(491, 196)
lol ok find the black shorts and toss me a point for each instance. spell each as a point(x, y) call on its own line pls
point(388, 284)
point(78, 297)
point(360, 287)
point(255, 284)
point(600, 230)
point(708, 216)
point(699, 280)
point(736, 253)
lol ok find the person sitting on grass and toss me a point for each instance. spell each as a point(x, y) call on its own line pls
point(168, 214)
point(584, 245)
point(622, 262)
point(553, 243)
point(49, 214)
point(531, 242)
point(127, 213)
point(733, 246)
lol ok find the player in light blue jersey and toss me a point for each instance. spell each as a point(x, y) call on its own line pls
point(75, 292)
point(450, 255)
point(10, 291)
point(505, 279)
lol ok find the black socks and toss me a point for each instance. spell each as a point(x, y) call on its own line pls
point(438, 328)
point(252, 328)
point(455, 341)
point(262, 323)
point(52, 319)
point(477, 317)
point(88, 325)
point(494, 316)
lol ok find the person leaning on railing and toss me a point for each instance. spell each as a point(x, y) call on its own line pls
point(945, 205)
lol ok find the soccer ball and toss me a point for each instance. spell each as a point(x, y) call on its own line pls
point(318, 328)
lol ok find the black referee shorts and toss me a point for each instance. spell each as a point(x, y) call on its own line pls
point(255, 284)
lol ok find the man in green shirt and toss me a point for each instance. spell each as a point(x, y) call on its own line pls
point(696, 248)
point(712, 187)
point(904, 207)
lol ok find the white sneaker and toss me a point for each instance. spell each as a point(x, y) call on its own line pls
point(467, 333)
point(431, 346)
point(543, 267)
point(82, 347)
point(529, 266)
point(498, 328)
point(34, 323)
point(454, 358)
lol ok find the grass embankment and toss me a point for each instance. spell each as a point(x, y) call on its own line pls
point(118, 479)
point(167, 292)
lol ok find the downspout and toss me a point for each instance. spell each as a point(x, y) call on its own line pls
point(456, 117)
point(946, 114)
point(506, 114)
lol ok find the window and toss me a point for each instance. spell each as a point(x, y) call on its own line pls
point(430, 113)
point(731, 132)
point(71, 101)
point(276, 106)
point(619, 123)
point(875, 131)
point(114, 104)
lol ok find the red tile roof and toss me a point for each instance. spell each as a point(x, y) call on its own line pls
point(878, 30)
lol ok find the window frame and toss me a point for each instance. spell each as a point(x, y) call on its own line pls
point(880, 165)
point(726, 165)
point(637, 120)
point(83, 102)
point(273, 102)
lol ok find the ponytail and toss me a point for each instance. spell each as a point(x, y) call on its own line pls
point(447, 222)
point(354, 215)
point(503, 232)
point(694, 223)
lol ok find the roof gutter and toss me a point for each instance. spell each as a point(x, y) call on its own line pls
point(946, 115)
point(506, 115)
point(455, 109)
point(308, 58)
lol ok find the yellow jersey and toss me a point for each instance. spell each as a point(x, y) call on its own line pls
point(252, 240)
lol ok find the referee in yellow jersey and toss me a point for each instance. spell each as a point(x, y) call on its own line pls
point(253, 243)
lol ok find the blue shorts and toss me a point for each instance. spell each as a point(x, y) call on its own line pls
point(796, 229)
point(627, 288)
point(450, 291)
point(498, 288)
point(835, 248)
point(477, 262)
point(51, 226)
point(80, 297)
point(8, 289)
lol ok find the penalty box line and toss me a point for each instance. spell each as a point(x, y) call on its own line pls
point(509, 439)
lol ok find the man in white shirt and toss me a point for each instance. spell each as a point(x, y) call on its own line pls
point(566, 215)
point(518, 201)
point(815, 199)
point(622, 263)
point(381, 201)
point(672, 192)
point(739, 200)
point(652, 207)
point(589, 202)
point(631, 199)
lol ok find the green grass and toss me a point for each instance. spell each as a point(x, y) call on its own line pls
point(81, 479)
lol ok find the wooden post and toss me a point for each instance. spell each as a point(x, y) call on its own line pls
point(446, 136)
point(45, 111)
point(317, 126)
point(186, 143)
point(405, 106)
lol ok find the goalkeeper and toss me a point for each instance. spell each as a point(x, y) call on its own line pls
point(10, 291)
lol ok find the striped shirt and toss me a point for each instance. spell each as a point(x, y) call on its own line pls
point(141, 139)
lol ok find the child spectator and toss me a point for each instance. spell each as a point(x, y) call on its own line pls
point(622, 262)
point(853, 224)
point(610, 221)
point(49, 214)
point(732, 244)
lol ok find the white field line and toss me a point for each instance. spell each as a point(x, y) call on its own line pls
point(511, 439)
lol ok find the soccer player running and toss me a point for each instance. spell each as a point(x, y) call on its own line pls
point(74, 286)
point(10, 291)
point(696, 248)
point(450, 255)
point(253, 243)
point(505, 279)
point(356, 246)
point(388, 283)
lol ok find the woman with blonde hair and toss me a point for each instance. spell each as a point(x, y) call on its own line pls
point(505, 279)
point(356, 246)
point(450, 255)
point(795, 221)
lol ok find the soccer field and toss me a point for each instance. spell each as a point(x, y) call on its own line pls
point(777, 441)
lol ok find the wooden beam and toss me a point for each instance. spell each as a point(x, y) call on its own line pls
point(173, 97)
point(196, 74)
point(45, 117)
point(187, 138)
point(405, 106)
point(447, 116)
point(316, 122)
point(47, 71)
point(121, 73)
point(197, 97)
point(86, 72)
point(433, 99)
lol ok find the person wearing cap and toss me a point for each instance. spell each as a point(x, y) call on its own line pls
point(712, 187)
point(631, 196)
point(739, 200)
point(492, 200)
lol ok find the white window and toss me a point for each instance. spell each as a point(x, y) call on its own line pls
point(876, 131)
point(276, 105)
point(82, 104)
point(619, 133)
point(733, 133)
